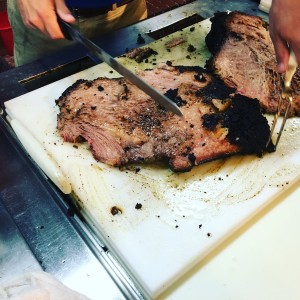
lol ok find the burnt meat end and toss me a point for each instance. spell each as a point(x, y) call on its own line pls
point(248, 128)
point(217, 90)
point(215, 38)
point(173, 95)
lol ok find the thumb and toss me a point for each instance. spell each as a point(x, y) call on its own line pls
point(63, 11)
point(282, 54)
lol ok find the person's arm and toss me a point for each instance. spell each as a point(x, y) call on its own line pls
point(41, 15)
point(284, 19)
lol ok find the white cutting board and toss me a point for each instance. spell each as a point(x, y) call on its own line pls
point(183, 216)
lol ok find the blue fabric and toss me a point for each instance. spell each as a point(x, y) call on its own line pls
point(90, 3)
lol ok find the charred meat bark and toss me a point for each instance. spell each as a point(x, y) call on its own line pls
point(244, 58)
point(124, 125)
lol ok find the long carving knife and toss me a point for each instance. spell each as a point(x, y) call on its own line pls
point(99, 54)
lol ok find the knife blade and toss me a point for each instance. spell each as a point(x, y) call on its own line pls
point(98, 55)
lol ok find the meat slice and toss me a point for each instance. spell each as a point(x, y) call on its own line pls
point(124, 125)
point(244, 58)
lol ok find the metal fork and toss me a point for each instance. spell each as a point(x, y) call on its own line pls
point(286, 94)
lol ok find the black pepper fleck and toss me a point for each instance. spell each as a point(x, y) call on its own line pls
point(100, 88)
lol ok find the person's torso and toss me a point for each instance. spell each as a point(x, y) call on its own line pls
point(90, 3)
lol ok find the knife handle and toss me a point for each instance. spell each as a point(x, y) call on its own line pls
point(64, 28)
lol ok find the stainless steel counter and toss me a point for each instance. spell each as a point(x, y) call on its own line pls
point(38, 224)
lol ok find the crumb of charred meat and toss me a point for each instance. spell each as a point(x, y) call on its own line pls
point(115, 210)
point(140, 54)
point(140, 40)
point(138, 206)
point(191, 48)
point(175, 42)
point(216, 122)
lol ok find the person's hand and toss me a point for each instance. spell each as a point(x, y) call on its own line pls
point(284, 19)
point(41, 15)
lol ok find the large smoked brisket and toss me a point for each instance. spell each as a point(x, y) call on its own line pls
point(244, 58)
point(122, 124)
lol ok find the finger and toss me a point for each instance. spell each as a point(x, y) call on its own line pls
point(52, 27)
point(35, 22)
point(30, 17)
point(282, 53)
point(64, 12)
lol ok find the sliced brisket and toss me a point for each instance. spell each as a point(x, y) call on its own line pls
point(244, 58)
point(123, 125)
